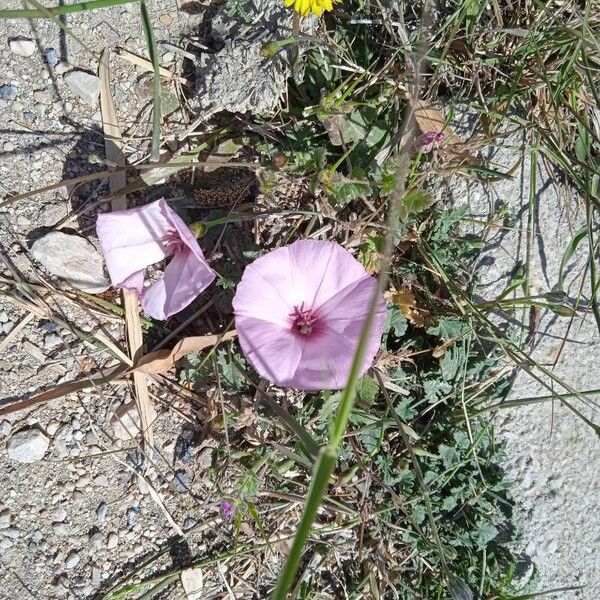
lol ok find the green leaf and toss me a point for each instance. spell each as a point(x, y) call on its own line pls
point(395, 322)
point(484, 534)
point(414, 202)
point(229, 367)
point(367, 389)
point(449, 456)
point(449, 328)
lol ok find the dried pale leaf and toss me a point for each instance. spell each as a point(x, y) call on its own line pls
point(161, 361)
point(146, 64)
point(193, 583)
point(113, 142)
point(431, 119)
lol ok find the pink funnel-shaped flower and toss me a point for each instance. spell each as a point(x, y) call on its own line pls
point(299, 311)
point(131, 240)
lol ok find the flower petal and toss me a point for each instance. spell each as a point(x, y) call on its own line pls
point(321, 268)
point(131, 240)
point(183, 231)
point(273, 351)
point(186, 276)
point(268, 289)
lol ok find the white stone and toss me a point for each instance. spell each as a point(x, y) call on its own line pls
point(126, 421)
point(72, 560)
point(193, 584)
point(5, 519)
point(85, 85)
point(22, 46)
point(27, 446)
point(73, 259)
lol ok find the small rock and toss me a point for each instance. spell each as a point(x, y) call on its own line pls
point(10, 532)
point(60, 529)
point(181, 481)
point(5, 428)
point(52, 427)
point(52, 341)
point(189, 522)
point(51, 57)
point(73, 259)
point(102, 511)
point(9, 147)
point(22, 46)
point(3, 317)
point(133, 515)
point(193, 584)
point(85, 85)
point(58, 514)
point(126, 421)
point(95, 540)
point(72, 560)
point(4, 519)
point(96, 576)
point(112, 540)
point(42, 97)
point(62, 67)
point(27, 446)
point(8, 91)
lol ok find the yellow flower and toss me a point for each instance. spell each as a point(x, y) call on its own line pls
point(316, 7)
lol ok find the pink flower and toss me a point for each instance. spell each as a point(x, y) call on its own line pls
point(131, 240)
point(299, 312)
point(430, 141)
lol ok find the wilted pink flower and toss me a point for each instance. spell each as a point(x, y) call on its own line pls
point(430, 141)
point(299, 311)
point(131, 240)
point(227, 509)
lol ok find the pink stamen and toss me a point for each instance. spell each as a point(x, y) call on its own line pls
point(303, 320)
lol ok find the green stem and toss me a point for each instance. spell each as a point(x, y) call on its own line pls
point(320, 480)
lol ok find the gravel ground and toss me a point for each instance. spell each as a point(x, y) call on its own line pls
point(553, 454)
point(75, 508)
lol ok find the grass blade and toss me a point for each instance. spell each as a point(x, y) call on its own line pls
point(151, 42)
point(57, 11)
point(318, 485)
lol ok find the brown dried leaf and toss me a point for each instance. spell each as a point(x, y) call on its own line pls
point(161, 361)
point(431, 119)
point(405, 300)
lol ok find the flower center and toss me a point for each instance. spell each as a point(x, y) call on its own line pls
point(172, 243)
point(304, 320)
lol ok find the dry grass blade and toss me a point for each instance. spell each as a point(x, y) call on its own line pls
point(117, 181)
point(63, 389)
point(161, 361)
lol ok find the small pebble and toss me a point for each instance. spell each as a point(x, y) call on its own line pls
point(52, 341)
point(27, 446)
point(102, 511)
point(96, 576)
point(10, 532)
point(7, 91)
point(58, 514)
point(4, 429)
point(22, 46)
point(51, 57)
point(3, 317)
point(60, 529)
point(112, 540)
point(189, 522)
point(96, 540)
point(4, 519)
point(9, 147)
point(133, 515)
point(72, 560)
point(181, 481)
point(85, 85)
point(62, 67)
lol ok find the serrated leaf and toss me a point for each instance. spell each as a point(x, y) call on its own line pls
point(458, 589)
point(229, 368)
point(414, 202)
point(367, 389)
